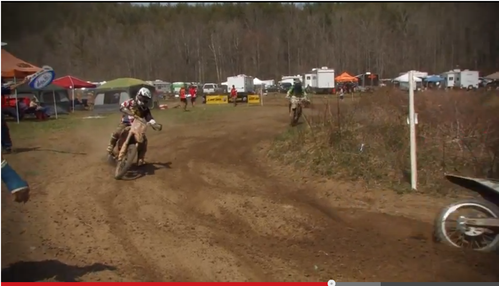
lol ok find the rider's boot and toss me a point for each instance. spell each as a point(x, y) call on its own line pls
point(142, 153)
point(111, 145)
point(289, 110)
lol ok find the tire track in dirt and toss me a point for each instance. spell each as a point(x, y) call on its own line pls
point(218, 213)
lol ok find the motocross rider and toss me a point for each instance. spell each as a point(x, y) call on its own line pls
point(137, 106)
point(295, 92)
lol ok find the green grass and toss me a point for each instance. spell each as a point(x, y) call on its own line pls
point(197, 114)
point(29, 129)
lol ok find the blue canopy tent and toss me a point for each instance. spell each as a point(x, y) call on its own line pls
point(434, 78)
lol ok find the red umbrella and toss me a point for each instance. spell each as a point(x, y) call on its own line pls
point(73, 82)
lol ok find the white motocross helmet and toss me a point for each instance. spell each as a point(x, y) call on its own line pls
point(143, 97)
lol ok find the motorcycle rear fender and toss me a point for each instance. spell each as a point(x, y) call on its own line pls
point(487, 188)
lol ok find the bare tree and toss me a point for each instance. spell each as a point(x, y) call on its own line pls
point(102, 41)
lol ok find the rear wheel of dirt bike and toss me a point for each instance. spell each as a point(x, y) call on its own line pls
point(450, 229)
point(124, 165)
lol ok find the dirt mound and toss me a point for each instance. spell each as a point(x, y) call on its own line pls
point(207, 209)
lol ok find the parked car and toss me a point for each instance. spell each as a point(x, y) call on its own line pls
point(493, 85)
point(484, 81)
point(210, 88)
point(271, 88)
point(284, 87)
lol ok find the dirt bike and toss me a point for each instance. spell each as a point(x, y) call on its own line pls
point(477, 231)
point(296, 109)
point(129, 142)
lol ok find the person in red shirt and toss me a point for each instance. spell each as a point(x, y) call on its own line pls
point(233, 94)
point(182, 97)
point(192, 92)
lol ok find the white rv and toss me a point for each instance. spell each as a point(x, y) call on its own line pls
point(310, 80)
point(324, 80)
point(464, 79)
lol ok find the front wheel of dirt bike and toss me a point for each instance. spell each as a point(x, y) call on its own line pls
point(292, 117)
point(450, 228)
point(296, 115)
point(124, 165)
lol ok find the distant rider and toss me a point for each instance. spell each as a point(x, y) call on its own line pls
point(138, 106)
point(295, 92)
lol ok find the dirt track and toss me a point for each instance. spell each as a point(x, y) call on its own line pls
point(212, 208)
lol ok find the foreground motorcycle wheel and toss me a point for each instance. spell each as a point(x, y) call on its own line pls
point(296, 116)
point(293, 117)
point(453, 232)
point(124, 165)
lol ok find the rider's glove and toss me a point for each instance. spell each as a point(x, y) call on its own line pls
point(157, 126)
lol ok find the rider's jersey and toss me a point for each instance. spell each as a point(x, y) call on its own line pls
point(131, 104)
point(297, 90)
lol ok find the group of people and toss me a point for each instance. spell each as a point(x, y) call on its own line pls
point(192, 95)
point(184, 96)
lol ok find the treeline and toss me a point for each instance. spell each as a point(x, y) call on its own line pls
point(102, 41)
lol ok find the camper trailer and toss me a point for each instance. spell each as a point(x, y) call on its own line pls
point(310, 80)
point(464, 79)
point(325, 80)
point(242, 83)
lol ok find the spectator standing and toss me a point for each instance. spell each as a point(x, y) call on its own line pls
point(192, 92)
point(183, 99)
point(233, 95)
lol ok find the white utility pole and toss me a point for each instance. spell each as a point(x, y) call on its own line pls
point(412, 128)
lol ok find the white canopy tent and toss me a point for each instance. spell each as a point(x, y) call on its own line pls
point(405, 78)
point(257, 81)
point(494, 76)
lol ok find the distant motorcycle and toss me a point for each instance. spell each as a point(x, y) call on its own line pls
point(477, 229)
point(296, 109)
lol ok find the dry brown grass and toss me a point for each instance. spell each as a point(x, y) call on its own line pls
point(368, 138)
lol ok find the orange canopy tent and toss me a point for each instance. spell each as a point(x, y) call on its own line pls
point(345, 77)
point(14, 67)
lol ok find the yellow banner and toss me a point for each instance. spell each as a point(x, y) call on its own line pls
point(216, 99)
point(253, 99)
